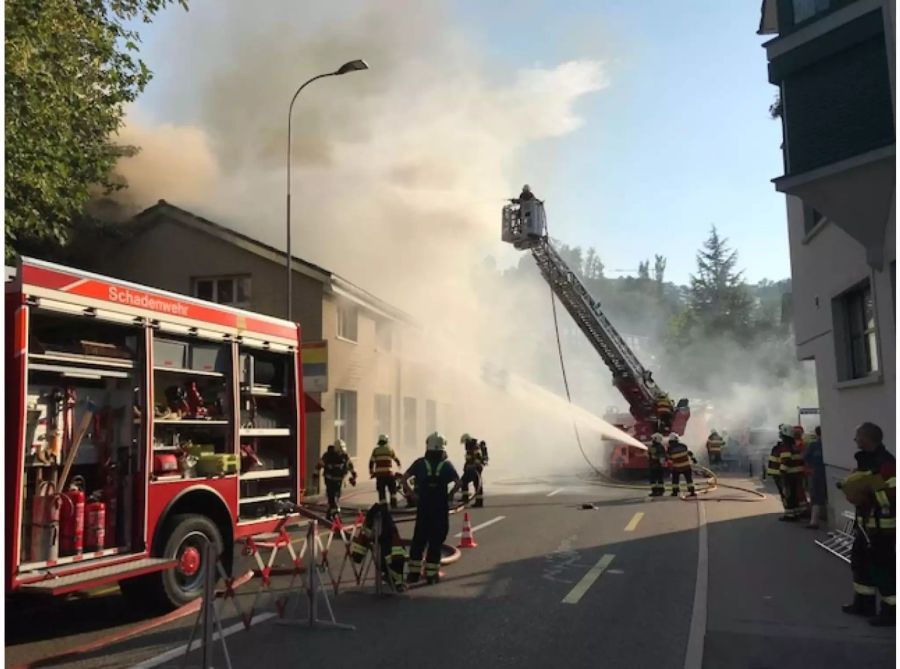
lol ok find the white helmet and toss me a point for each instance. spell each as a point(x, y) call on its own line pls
point(465, 437)
point(786, 430)
point(435, 442)
point(673, 438)
point(656, 438)
point(383, 440)
point(340, 445)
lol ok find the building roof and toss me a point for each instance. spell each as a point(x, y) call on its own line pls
point(333, 283)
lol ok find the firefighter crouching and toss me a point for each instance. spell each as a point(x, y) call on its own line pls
point(714, 445)
point(393, 555)
point(433, 473)
point(473, 469)
point(872, 489)
point(656, 456)
point(381, 468)
point(680, 459)
point(792, 470)
point(336, 465)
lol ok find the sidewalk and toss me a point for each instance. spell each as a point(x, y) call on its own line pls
point(775, 597)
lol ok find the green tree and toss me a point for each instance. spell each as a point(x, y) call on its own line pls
point(718, 297)
point(71, 67)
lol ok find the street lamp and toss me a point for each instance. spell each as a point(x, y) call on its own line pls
point(351, 66)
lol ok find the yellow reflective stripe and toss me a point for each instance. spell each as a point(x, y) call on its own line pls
point(889, 599)
point(861, 589)
point(891, 482)
point(882, 498)
point(883, 523)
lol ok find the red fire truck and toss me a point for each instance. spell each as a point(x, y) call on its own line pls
point(139, 425)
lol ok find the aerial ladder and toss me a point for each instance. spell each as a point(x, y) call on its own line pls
point(525, 227)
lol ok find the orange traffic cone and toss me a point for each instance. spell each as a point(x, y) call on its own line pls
point(467, 540)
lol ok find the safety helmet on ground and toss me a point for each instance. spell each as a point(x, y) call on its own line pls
point(785, 430)
point(465, 437)
point(435, 442)
point(340, 445)
point(383, 440)
point(656, 438)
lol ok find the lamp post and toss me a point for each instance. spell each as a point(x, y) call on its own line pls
point(352, 66)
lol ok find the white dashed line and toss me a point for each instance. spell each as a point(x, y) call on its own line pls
point(588, 580)
point(555, 492)
point(483, 525)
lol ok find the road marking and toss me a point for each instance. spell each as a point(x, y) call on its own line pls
point(587, 580)
point(555, 492)
point(633, 523)
point(180, 651)
point(483, 525)
point(693, 659)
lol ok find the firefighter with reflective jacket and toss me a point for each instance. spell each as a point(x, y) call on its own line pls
point(791, 468)
point(872, 489)
point(336, 465)
point(432, 474)
point(381, 468)
point(656, 456)
point(473, 469)
point(391, 554)
point(714, 445)
point(773, 468)
point(680, 459)
point(665, 410)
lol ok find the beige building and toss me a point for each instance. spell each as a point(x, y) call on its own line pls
point(372, 387)
point(833, 62)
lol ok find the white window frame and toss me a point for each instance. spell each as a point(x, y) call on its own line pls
point(347, 322)
point(234, 279)
point(854, 330)
point(344, 424)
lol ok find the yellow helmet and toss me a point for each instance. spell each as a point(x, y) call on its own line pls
point(340, 445)
point(383, 440)
point(435, 442)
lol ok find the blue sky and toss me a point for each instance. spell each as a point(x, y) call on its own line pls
point(680, 139)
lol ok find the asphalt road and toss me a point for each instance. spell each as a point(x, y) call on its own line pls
point(549, 584)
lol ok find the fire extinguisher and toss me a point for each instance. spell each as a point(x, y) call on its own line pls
point(45, 524)
point(71, 535)
point(95, 524)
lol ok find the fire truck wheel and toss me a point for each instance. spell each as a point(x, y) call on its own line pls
point(187, 534)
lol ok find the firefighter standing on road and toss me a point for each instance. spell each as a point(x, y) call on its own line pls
point(656, 455)
point(773, 469)
point(792, 472)
point(432, 473)
point(872, 489)
point(714, 446)
point(336, 464)
point(473, 469)
point(680, 459)
point(381, 468)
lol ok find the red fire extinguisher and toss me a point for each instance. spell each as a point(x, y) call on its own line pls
point(45, 524)
point(95, 524)
point(71, 522)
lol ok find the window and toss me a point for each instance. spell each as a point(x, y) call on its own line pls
point(409, 422)
point(347, 321)
point(383, 335)
point(811, 218)
point(231, 290)
point(430, 416)
point(806, 9)
point(382, 414)
point(345, 418)
point(856, 341)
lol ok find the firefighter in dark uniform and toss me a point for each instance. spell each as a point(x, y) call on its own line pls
point(714, 445)
point(680, 459)
point(792, 472)
point(872, 489)
point(473, 469)
point(773, 468)
point(433, 473)
point(381, 468)
point(656, 456)
point(336, 464)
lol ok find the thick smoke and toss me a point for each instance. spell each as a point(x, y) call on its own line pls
point(399, 174)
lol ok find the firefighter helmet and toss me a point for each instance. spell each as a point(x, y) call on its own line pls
point(465, 437)
point(657, 438)
point(383, 440)
point(785, 430)
point(673, 438)
point(340, 445)
point(435, 442)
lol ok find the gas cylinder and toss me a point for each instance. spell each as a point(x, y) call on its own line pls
point(94, 524)
point(71, 522)
point(45, 509)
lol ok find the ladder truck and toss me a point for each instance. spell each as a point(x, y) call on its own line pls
point(651, 410)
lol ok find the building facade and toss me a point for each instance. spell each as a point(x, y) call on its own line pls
point(833, 62)
point(371, 387)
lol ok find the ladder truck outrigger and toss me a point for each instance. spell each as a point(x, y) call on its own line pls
point(651, 409)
